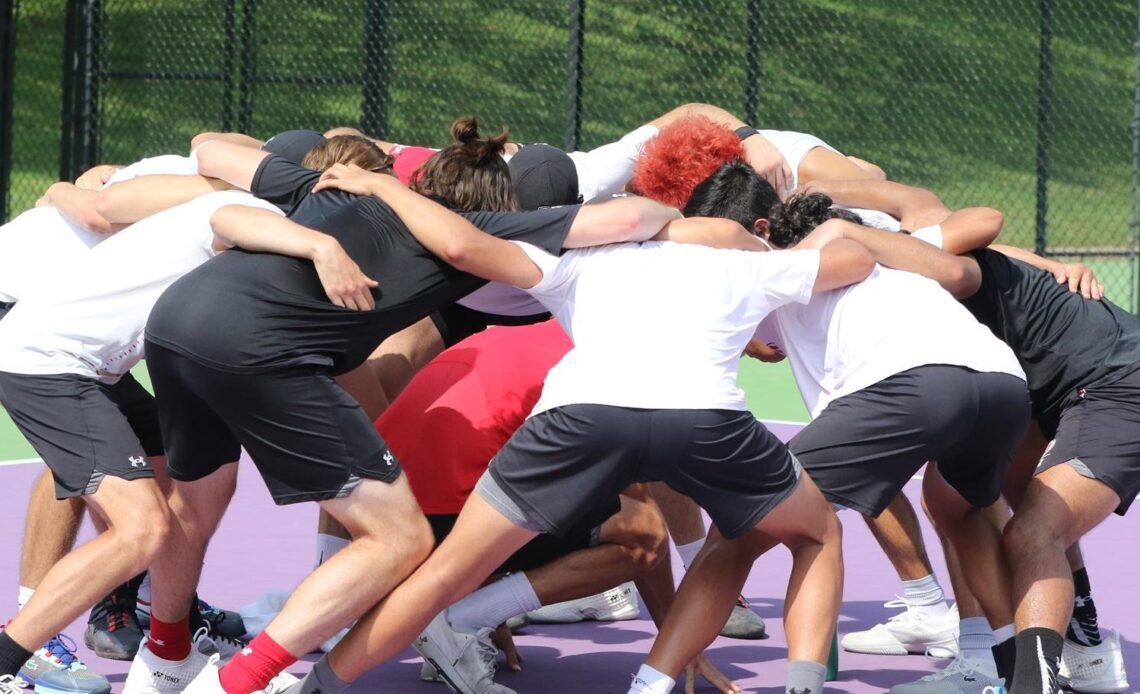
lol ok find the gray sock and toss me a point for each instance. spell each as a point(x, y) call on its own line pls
point(805, 677)
point(320, 680)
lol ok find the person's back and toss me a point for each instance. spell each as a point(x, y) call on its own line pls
point(890, 322)
point(661, 324)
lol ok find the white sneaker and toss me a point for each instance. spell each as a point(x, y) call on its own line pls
point(961, 676)
point(1094, 669)
point(428, 673)
point(150, 674)
point(209, 681)
point(10, 685)
point(458, 658)
point(616, 604)
point(912, 631)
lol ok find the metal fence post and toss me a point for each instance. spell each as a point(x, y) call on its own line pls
point(752, 83)
point(1044, 108)
point(80, 95)
point(8, 12)
point(374, 109)
point(248, 70)
point(575, 56)
point(229, 21)
point(1134, 221)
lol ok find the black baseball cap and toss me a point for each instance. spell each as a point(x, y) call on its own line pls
point(544, 176)
point(293, 144)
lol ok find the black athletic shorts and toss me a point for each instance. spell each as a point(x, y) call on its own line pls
point(5, 307)
point(1099, 434)
point(456, 323)
point(865, 446)
point(566, 466)
point(540, 551)
point(307, 436)
point(84, 429)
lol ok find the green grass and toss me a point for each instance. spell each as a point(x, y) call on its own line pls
point(942, 95)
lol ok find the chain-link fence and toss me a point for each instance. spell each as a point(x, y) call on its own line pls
point(1030, 106)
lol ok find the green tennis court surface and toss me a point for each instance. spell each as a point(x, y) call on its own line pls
point(771, 395)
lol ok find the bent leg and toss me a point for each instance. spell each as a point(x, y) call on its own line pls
point(50, 528)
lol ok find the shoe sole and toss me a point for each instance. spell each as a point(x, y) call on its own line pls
point(41, 689)
point(1112, 686)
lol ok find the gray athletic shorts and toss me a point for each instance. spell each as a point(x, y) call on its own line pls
point(84, 429)
point(1099, 433)
point(567, 465)
point(865, 446)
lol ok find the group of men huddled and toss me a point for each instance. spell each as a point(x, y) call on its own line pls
point(323, 302)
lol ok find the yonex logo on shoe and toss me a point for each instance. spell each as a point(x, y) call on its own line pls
point(137, 461)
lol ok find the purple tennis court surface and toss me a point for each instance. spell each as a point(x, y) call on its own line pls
point(261, 546)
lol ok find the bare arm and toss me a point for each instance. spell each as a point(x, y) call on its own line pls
point(96, 177)
point(78, 206)
point(240, 139)
point(913, 207)
point(619, 220)
point(711, 232)
point(842, 262)
point(957, 274)
point(971, 228)
point(138, 198)
point(234, 164)
point(256, 229)
point(447, 235)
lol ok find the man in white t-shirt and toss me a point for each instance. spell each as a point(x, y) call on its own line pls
point(606, 417)
point(889, 394)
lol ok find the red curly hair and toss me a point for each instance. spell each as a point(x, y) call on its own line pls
point(682, 155)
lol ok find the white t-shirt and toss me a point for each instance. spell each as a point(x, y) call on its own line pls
point(40, 244)
point(794, 146)
point(661, 325)
point(35, 247)
point(847, 339)
point(91, 321)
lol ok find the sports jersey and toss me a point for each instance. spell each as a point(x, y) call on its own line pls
point(459, 410)
point(248, 312)
point(1064, 342)
point(661, 325)
point(90, 320)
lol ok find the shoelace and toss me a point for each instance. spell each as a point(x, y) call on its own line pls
point(960, 665)
point(488, 653)
point(9, 685)
point(61, 649)
point(209, 635)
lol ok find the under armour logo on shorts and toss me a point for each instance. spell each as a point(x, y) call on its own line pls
point(389, 459)
point(137, 461)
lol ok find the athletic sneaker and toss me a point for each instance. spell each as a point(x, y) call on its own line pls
point(743, 623)
point(208, 641)
point(1094, 669)
point(912, 631)
point(616, 604)
point(10, 685)
point(225, 622)
point(113, 630)
point(209, 682)
point(458, 658)
point(55, 668)
point(150, 674)
point(961, 676)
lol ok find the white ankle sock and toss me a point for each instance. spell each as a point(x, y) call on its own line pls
point(689, 550)
point(492, 605)
point(650, 681)
point(26, 594)
point(1003, 634)
point(975, 639)
point(925, 595)
point(328, 545)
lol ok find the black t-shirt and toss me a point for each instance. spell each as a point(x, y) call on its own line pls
point(1063, 341)
point(244, 311)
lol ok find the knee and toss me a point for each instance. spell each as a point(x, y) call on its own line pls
point(1022, 539)
point(650, 547)
point(144, 536)
point(413, 535)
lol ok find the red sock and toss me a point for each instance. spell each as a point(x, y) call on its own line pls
point(170, 640)
point(256, 664)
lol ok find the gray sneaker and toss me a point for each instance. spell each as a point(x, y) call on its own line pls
point(54, 669)
point(743, 623)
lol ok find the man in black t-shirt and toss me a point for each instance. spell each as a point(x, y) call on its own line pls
point(259, 374)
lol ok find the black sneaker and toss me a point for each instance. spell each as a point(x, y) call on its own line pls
point(226, 623)
point(113, 630)
point(207, 624)
point(743, 623)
